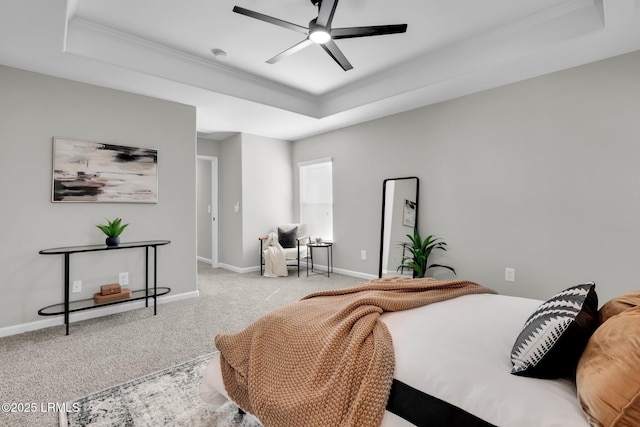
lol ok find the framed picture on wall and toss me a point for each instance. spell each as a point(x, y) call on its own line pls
point(409, 214)
point(85, 171)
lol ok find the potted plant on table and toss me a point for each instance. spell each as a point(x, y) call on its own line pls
point(113, 229)
point(419, 252)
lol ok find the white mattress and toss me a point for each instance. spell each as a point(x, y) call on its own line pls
point(458, 351)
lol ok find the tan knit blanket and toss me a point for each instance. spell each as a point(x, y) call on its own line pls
point(326, 360)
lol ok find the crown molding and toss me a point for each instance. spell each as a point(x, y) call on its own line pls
point(91, 40)
point(494, 51)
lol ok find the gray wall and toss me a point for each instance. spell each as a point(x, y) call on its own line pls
point(267, 184)
point(230, 184)
point(541, 176)
point(208, 147)
point(33, 109)
point(255, 173)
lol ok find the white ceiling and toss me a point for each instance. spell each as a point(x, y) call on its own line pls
point(162, 48)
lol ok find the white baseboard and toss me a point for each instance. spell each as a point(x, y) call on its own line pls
point(90, 314)
point(394, 273)
point(207, 261)
point(240, 270)
point(317, 266)
point(323, 268)
point(355, 274)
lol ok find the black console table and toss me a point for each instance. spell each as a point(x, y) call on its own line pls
point(146, 293)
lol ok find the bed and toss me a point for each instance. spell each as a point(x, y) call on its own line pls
point(453, 366)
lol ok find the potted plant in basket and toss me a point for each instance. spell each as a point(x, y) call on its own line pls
point(419, 251)
point(113, 229)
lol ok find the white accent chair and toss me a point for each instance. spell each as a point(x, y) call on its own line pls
point(295, 254)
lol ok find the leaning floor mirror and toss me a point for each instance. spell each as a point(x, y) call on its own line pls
point(399, 217)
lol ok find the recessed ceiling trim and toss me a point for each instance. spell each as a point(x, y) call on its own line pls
point(492, 49)
point(515, 39)
point(620, 12)
point(91, 40)
point(70, 11)
point(37, 35)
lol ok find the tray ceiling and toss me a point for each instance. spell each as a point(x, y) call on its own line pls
point(163, 48)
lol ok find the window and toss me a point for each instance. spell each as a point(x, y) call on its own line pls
point(316, 197)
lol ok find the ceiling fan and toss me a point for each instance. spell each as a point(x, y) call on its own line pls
point(320, 31)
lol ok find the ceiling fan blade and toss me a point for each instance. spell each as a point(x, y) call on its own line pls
point(334, 51)
point(293, 49)
point(377, 30)
point(271, 20)
point(326, 12)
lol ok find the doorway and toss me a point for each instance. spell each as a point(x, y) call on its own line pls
point(207, 209)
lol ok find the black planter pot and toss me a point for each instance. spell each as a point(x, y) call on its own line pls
point(113, 241)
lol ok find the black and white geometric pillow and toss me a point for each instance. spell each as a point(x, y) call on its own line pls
point(555, 335)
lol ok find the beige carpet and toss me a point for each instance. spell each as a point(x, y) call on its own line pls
point(45, 366)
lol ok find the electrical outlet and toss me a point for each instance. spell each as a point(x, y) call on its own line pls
point(510, 274)
point(123, 279)
point(77, 286)
point(363, 255)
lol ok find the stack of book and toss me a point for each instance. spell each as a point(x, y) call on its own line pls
point(111, 292)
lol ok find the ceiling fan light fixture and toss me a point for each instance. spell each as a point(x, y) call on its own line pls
point(319, 36)
point(320, 31)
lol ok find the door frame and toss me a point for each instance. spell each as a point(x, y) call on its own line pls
point(214, 208)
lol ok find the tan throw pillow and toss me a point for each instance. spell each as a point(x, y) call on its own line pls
point(608, 375)
point(619, 304)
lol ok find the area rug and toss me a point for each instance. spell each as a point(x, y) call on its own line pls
point(164, 398)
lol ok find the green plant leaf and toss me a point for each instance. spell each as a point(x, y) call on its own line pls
point(113, 228)
point(104, 229)
point(419, 251)
point(443, 266)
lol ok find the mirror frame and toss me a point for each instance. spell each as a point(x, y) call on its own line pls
point(384, 197)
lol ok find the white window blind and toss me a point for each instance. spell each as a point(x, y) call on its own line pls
point(316, 197)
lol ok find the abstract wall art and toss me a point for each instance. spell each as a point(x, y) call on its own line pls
point(86, 171)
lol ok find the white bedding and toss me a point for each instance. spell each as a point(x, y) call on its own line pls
point(458, 351)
